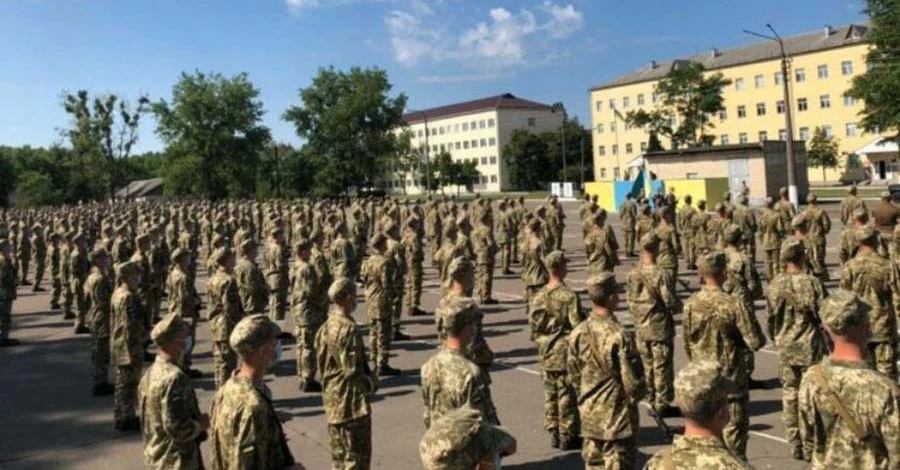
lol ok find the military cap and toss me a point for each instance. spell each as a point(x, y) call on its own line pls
point(711, 262)
point(220, 256)
point(811, 197)
point(688, 198)
point(701, 390)
point(792, 250)
point(252, 332)
point(142, 238)
point(378, 241)
point(799, 220)
point(248, 244)
point(460, 439)
point(97, 254)
point(868, 236)
point(733, 234)
point(178, 254)
point(458, 312)
point(843, 310)
point(600, 215)
point(458, 266)
point(885, 195)
point(302, 244)
point(4, 242)
point(128, 268)
point(602, 284)
point(555, 259)
point(650, 242)
point(168, 329)
point(701, 203)
point(340, 288)
point(770, 201)
point(782, 191)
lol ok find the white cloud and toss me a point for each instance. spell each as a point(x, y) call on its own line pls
point(296, 6)
point(565, 20)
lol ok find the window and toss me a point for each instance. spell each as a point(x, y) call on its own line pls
point(612, 103)
point(601, 150)
point(602, 173)
point(760, 109)
point(655, 98)
point(825, 101)
point(615, 149)
point(723, 139)
point(419, 134)
point(456, 128)
point(458, 146)
point(640, 99)
point(800, 75)
point(443, 148)
point(742, 138)
point(484, 142)
point(599, 128)
point(779, 106)
point(763, 136)
point(626, 102)
point(434, 148)
point(616, 173)
point(491, 123)
point(779, 78)
point(851, 129)
point(742, 111)
point(493, 178)
point(598, 106)
point(482, 124)
point(466, 144)
point(474, 144)
point(531, 122)
point(493, 160)
point(473, 125)
point(441, 130)
point(759, 81)
point(739, 84)
point(612, 126)
point(802, 104)
point(849, 101)
point(829, 132)
point(629, 149)
point(465, 126)
point(723, 114)
point(492, 142)
point(804, 133)
point(782, 134)
point(822, 72)
point(643, 146)
point(627, 126)
point(847, 68)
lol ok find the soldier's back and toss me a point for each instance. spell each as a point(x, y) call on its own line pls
point(696, 453)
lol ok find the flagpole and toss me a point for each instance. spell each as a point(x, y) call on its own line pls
point(618, 150)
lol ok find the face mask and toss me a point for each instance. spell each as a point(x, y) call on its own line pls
point(277, 354)
point(188, 345)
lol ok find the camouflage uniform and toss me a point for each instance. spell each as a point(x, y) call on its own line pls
point(182, 300)
point(461, 440)
point(745, 219)
point(667, 259)
point(144, 291)
point(628, 216)
point(686, 217)
point(79, 268)
point(414, 255)
point(98, 292)
point(347, 384)
point(503, 237)
point(602, 247)
point(378, 273)
point(225, 310)
point(771, 231)
point(449, 381)
point(307, 315)
point(819, 226)
point(53, 259)
point(252, 288)
point(534, 274)
point(39, 253)
point(127, 340)
point(700, 453)
point(170, 418)
point(849, 205)
point(276, 264)
point(700, 227)
point(23, 254)
point(485, 253)
point(7, 294)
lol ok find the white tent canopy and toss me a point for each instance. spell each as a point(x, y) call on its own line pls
point(878, 146)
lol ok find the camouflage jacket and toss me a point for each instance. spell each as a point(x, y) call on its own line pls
point(874, 279)
point(461, 440)
point(554, 313)
point(450, 381)
point(651, 302)
point(170, 417)
point(849, 244)
point(252, 288)
point(699, 225)
point(771, 230)
point(412, 248)
point(8, 279)
point(741, 279)
point(223, 304)
point(819, 224)
point(341, 258)
point(483, 245)
point(696, 453)
point(53, 260)
point(503, 230)
point(323, 275)
point(304, 306)
point(606, 373)
point(129, 333)
point(602, 249)
point(533, 271)
point(275, 265)
point(346, 379)
point(745, 219)
point(848, 205)
point(686, 221)
point(793, 305)
point(786, 210)
point(628, 215)
point(377, 274)
point(668, 246)
point(98, 293)
point(181, 298)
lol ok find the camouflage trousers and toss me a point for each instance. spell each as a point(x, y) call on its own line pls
point(560, 404)
point(224, 362)
point(629, 242)
point(55, 291)
point(395, 302)
point(278, 302)
point(514, 246)
point(817, 260)
point(100, 359)
point(412, 291)
point(351, 444)
point(306, 351)
point(484, 278)
point(773, 264)
point(24, 263)
point(790, 383)
point(380, 335)
point(505, 256)
point(5, 319)
point(883, 358)
point(530, 292)
point(558, 237)
point(735, 433)
point(80, 304)
point(748, 247)
point(620, 454)
point(690, 254)
point(39, 269)
point(435, 243)
point(127, 380)
point(67, 302)
point(658, 369)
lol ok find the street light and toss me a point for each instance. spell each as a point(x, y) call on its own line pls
point(788, 113)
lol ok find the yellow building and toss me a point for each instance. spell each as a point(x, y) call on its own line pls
point(823, 64)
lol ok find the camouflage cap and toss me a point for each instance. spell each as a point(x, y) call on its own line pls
point(460, 439)
point(701, 390)
point(458, 266)
point(97, 254)
point(733, 234)
point(179, 254)
point(843, 311)
point(783, 191)
point(711, 262)
point(798, 221)
point(602, 284)
point(650, 242)
point(341, 288)
point(168, 329)
point(251, 333)
point(555, 260)
point(534, 225)
point(792, 250)
point(867, 235)
point(126, 269)
point(457, 312)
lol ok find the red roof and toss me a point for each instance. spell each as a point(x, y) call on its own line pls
point(504, 101)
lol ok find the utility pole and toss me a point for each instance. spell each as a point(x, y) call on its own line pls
point(788, 112)
point(564, 144)
point(427, 167)
point(277, 174)
point(582, 159)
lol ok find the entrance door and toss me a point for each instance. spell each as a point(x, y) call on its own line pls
point(738, 175)
point(882, 170)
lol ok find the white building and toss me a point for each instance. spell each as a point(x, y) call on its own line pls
point(474, 130)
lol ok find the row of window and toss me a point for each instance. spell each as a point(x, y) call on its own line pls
point(409, 183)
point(464, 127)
point(464, 145)
point(615, 173)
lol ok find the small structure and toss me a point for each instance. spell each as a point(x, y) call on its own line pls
point(881, 155)
point(150, 189)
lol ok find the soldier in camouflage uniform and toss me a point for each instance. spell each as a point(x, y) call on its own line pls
point(850, 204)
point(307, 315)
point(718, 328)
point(800, 227)
point(686, 226)
point(396, 257)
point(628, 216)
point(53, 259)
point(819, 226)
point(875, 280)
point(275, 264)
point(534, 274)
point(745, 219)
point(377, 274)
point(251, 282)
point(8, 279)
point(849, 413)
point(23, 253)
point(128, 337)
point(793, 303)
point(347, 381)
point(79, 268)
point(699, 226)
point(39, 253)
point(225, 311)
point(341, 253)
point(771, 232)
point(701, 391)
point(464, 440)
point(785, 208)
point(601, 245)
point(144, 292)
point(485, 256)
point(605, 370)
point(98, 293)
point(245, 431)
point(652, 303)
point(849, 244)
point(183, 301)
point(645, 223)
point(555, 312)
point(503, 237)
point(414, 255)
point(173, 426)
point(669, 248)
point(64, 254)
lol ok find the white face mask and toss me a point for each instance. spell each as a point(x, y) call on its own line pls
point(188, 345)
point(277, 354)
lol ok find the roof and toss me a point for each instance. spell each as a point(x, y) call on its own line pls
point(140, 188)
point(758, 52)
point(879, 145)
point(769, 145)
point(504, 101)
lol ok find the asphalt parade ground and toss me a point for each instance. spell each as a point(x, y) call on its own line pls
point(50, 419)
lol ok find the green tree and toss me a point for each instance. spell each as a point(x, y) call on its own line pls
point(7, 179)
point(214, 135)
point(575, 136)
point(347, 120)
point(688, 97)
point(526, 157)
point(822, 152)
point(878, 87)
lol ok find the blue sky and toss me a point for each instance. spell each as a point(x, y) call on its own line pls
point(435, 51)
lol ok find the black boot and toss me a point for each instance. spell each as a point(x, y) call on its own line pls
point(489, 301)
point(310, 386)
point(129, 425)
point(388, 371)
point(194, 373)
point(569, 443)
point(400, 336)
point(82, 330)
point(554, 440)
point(102, 389)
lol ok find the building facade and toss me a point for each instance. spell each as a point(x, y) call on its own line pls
point(823, 64)
point(476, 131)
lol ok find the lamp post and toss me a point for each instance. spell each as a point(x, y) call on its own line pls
point(788, 112)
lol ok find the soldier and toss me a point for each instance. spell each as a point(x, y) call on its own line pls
point(686, 226)
point(463, 439)
point(122, 249)
point(601, 245)
point(745, 219)
point(793, 305)
point(557, 219)
point(159, 269)
point(307, 315)
point(348, 381)
point(819, 226)
point(53, 259)
point(414, 255)
point(397, 259)
point(516, 226)
point(98, 292)
point(485, 254)
point(276, 263)
point(701, 391)
point(850, 235)
point(173, 426)
point(800, 227)
point(850, 204)
point(7, 293)
point(144, 292)
point(716, 227)
point(245, 431)
point(224, 312)
point(377, 273)
point(450, 379)
point(771, 232)
point(785, 208)
point(183, 301)
point(667, 259)
point(700, 227)
point(885, 215)
point(64, 254)
point(605, 371)
point(127, 341)
point(716, 328)
point(628, 216)
point(534, 274)
point(644, 224)
point(652, 303)
point(849, 413)
point(503, 236)
point(341, 253)
point(251, 282)
point(23, 253)
point(39, 252)
point(79, 268)
point(875, 280)
point(555, 312)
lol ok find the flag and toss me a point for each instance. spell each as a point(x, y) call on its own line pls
point(618, 114)
point(638, 185)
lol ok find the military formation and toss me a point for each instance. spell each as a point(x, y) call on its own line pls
point(112, 269)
